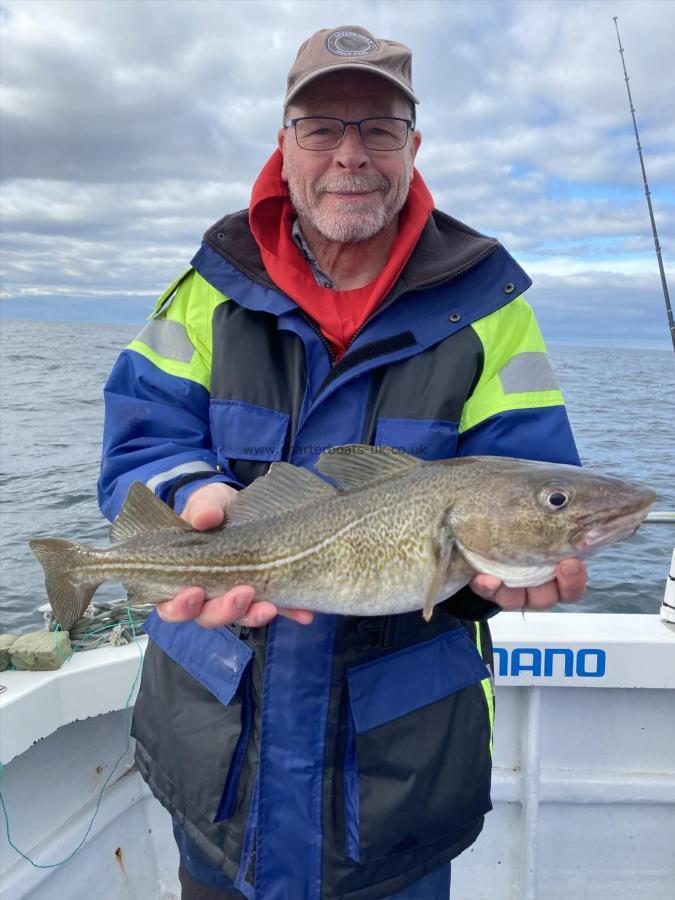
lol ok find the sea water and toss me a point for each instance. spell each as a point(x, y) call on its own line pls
point(621, 404)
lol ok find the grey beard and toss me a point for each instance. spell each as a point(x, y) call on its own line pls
point(356, 223)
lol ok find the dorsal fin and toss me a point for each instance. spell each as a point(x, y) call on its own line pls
point(282, 488)
point(143, 512)
point(354, 465)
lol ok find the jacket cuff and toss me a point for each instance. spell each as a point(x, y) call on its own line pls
point(467, 605)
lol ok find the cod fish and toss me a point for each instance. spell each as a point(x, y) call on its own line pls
point(391, 534)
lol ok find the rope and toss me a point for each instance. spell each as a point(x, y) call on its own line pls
point(103, 623)
point(127, 728)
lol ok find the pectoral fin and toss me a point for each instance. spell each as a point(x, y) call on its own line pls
point(439, 578)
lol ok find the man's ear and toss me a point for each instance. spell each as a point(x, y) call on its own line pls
point(281, 144)
point(415, 141)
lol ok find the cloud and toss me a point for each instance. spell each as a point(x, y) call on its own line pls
point(129, 127)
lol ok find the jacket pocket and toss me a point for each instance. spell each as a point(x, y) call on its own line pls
point(417, 761)
point(243, 430)
point(204, 683)
point(425, 438)
point(247, 437)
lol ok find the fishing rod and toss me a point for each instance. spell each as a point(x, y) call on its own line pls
point(664, 284)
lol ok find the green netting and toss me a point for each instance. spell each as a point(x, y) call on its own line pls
point(104, 623)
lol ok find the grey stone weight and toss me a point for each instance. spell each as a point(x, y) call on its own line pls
point(6, 641)
point(40, 651)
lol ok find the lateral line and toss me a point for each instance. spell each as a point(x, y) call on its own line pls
point(257, 567)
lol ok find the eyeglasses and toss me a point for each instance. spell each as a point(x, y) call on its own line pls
point(326, 132)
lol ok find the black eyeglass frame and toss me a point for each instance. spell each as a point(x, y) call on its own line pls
point(293, 122)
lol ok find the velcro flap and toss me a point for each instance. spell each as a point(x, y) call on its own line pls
point(214, 656)
point(393, 686)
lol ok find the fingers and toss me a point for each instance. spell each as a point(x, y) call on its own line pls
point(572, 578)
point(541, 597)
point(568, 586)
point(301, 616)
point(238, 606)
point(206, 507)
point(231, 607)
point(190, 603)
point(186, 605)
point(251, 613)
point(511, 598)
point(207, 516)
point(489, 587)
point(234, 606)
point(485, 586)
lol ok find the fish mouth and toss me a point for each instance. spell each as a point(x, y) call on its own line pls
point(599, 530)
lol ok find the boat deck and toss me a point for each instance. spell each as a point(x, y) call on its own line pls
point(583, 782)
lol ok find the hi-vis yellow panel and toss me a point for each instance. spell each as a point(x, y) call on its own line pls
point(488, 690)
point(516, 372)
point(177, 338)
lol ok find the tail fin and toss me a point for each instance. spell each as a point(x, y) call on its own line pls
point(68, 594)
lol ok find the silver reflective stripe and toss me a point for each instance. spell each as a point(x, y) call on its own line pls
point(197, 465)
point(168, 338)
point(527, 372)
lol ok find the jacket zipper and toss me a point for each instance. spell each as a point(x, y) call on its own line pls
point(421, 287)
point(313, 325)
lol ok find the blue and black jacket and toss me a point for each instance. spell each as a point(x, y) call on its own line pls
point(349, 757)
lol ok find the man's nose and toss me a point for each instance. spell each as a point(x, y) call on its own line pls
point(351, 154)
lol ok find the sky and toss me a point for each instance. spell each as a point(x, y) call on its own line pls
point(129, 127)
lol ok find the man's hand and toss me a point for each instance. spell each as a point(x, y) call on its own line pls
point(206, 509)
point(568, 586)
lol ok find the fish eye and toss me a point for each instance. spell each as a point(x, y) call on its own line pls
point(557, 499)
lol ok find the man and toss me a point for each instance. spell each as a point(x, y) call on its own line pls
point(325, 756)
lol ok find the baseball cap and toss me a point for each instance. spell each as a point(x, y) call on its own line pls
point(350, 47)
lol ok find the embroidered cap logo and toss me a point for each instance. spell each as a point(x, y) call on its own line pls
point(350, 43)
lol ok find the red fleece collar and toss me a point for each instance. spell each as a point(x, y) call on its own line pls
point(339, 314)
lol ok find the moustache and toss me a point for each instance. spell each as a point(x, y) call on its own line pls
point(356, 184)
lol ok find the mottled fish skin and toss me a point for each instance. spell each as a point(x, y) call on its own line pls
point(336, 557)
point(370, 549)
